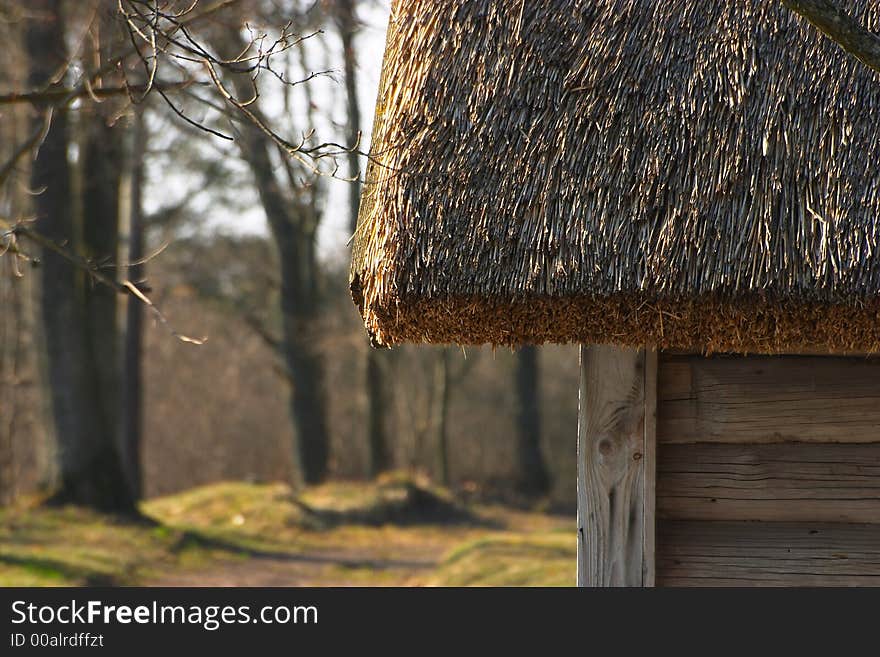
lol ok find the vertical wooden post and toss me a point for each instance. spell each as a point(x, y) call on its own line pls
point(650, 467)
point(616, 463)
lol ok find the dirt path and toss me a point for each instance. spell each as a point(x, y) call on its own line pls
point(352, 556)
point(315, 569)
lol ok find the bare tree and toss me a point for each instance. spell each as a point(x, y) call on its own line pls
point(132, 421)
point(374, 385)
point(440, 398)
point(532, 477)
point(101, 168)
point(445, 380)
point(89, 465)
point(293, 213)
point(77, 227)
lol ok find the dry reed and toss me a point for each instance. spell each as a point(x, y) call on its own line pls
point(691, 174)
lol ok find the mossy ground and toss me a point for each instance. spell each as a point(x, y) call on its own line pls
point(395, 532)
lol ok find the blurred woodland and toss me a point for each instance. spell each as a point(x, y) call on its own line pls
point(178, 183)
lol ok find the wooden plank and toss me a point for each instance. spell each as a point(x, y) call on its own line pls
point(782, 482)
point(650, 466)
point(767, 554)
point(611, 468)
point(765, 399)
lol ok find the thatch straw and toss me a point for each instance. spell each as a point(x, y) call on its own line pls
point(553, 170)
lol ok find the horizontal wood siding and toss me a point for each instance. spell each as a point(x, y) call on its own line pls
point(785, 482)
point(767, 554)
point(767, 399)
point(768, 471)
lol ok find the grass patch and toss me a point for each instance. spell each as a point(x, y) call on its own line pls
point(546, 559)
point(255, 509)
point(70, 547)
point(391, 532)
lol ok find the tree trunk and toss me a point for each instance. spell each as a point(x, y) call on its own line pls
point(377, 438)
point(12, 354)
point(303, 358)
point(101, 167)
point(89, 467)
point(532, 477)
point(54, 219)
point(132, 385)
point(102, 164)
point(380, 453)
point(441, 393)
point(293, 221)
point(16, 334)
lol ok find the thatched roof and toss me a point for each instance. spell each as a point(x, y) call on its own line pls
point(683, 173)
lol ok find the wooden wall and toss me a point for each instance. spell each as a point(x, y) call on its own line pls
point(768, 471)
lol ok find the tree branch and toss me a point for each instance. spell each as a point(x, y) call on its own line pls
point(264, 333)
point(8, 230)
point(60, 96)
point(26, 147)
point(841, 28)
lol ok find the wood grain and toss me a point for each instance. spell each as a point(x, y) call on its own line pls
point(767, 554)
point(784, 482)
point(766, 399)
point(650, 468)
point(611, 468)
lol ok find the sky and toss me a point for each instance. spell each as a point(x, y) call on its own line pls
point(371, 46)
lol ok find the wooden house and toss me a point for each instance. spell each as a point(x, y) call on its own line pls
point(691, 191)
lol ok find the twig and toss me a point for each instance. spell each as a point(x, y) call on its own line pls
point(123, 287)
point(60, 97)
point(38, 135)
